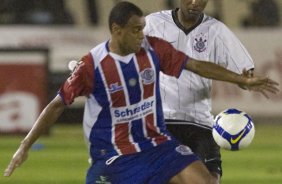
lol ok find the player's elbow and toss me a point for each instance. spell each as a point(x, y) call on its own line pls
point(56, 105)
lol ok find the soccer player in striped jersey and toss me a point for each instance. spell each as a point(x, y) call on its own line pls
point(187, 100)
point(123, 118)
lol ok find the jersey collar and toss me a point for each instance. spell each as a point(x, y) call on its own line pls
point(177, 22)
point(125, 59)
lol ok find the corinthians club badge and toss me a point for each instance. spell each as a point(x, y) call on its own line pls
point(200, 43)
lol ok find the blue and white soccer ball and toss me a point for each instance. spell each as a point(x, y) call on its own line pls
point(233, 129)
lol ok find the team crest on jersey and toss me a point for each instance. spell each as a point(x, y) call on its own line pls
point(148, 75)
point(200, 43)
point(183, 150)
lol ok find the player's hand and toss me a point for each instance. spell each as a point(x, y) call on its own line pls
point(262, 85)
point(18, 158)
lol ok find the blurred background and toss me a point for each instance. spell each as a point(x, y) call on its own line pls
point(39, 37)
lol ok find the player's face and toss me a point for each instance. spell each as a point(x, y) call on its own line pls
point(192, 9)
point(131, 35)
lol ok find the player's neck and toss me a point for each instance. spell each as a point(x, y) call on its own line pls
point(115, 48)
point(186, 22)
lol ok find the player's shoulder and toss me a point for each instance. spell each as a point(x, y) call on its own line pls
point(100, 47)
point(151, 40)
point(99, 52)
point(211, 21)
point(214, 24)
point(160, 15)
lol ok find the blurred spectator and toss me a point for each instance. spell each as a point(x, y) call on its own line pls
point(218, 10)
point(93, 11)
point(263, 13)
point(34, 12)
point(116, 1)
point(171, 4)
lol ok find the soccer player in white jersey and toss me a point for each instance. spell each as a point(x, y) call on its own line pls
point(123, 118)
point(187, 100)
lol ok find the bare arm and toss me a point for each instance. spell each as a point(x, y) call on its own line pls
point(47, 117)
point(216, 72)
point(213, 71)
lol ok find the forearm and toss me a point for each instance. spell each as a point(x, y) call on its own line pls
point(47, 117)
point(216, 72)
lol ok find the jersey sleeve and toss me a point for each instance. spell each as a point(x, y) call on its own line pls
point(172, 61)
point(230, 53)
point(81, 81)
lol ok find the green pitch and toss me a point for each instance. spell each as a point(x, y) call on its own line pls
point(62, 158)
point(261, 163)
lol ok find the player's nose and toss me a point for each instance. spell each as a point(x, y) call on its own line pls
point(195, 2)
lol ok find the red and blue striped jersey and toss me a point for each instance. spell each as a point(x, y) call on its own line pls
point(123, 111)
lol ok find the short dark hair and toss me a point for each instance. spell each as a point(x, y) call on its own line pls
point(121, 13)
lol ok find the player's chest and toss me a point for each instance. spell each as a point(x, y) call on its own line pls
point(133, 76)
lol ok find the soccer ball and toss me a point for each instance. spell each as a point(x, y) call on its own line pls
point(233, 129)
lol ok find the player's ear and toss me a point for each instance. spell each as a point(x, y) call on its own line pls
point(116, 28)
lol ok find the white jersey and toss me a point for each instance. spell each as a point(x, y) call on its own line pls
point(188, 99)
